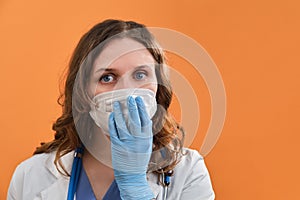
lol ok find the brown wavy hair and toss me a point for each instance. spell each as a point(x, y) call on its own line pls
point(169, 137)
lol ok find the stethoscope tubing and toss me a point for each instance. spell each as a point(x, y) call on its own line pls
point(75, 173)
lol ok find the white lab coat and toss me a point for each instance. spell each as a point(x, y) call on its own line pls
point(37, 178)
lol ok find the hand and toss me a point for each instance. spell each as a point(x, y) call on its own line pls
point(131, 147)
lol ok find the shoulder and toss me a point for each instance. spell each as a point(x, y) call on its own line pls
point(191, 162)
point(45, 161)
point(35, 162)
point(30, 168)
point(191, 157)
point(31, 165)
point(42, 164)
point(35, 174)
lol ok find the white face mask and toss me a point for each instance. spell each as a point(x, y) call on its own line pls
point(102, 105)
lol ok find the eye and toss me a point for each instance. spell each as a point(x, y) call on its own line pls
point(140, 75)
point(108, 78)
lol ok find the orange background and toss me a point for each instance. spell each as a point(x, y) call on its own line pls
point(254, 43)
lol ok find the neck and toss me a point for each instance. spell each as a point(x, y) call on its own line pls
point(100, 175)
point(91, 163)
point(98, 148)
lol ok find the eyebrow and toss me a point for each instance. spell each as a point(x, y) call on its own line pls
point(104, 69)
point(111, 69)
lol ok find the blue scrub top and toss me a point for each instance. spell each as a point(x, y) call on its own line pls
point(85, 192)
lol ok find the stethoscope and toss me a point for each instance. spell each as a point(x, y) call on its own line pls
point(77, 166)
point(75, 173)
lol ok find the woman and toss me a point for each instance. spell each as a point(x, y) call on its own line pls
point(115, 118)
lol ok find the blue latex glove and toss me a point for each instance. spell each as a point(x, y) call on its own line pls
point(131, 148)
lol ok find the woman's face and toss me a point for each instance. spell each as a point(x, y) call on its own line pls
point(123, 63)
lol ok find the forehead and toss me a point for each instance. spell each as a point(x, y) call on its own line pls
point(123, 51)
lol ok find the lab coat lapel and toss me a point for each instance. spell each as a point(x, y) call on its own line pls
point(58, 189)
point(154, 184)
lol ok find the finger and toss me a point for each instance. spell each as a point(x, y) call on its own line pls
point(134, 122)
point(144, 117)
point(120, 121)
point(112, 126)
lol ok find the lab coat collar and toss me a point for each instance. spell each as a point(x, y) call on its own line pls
point(66, 160)
point(59, 189)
